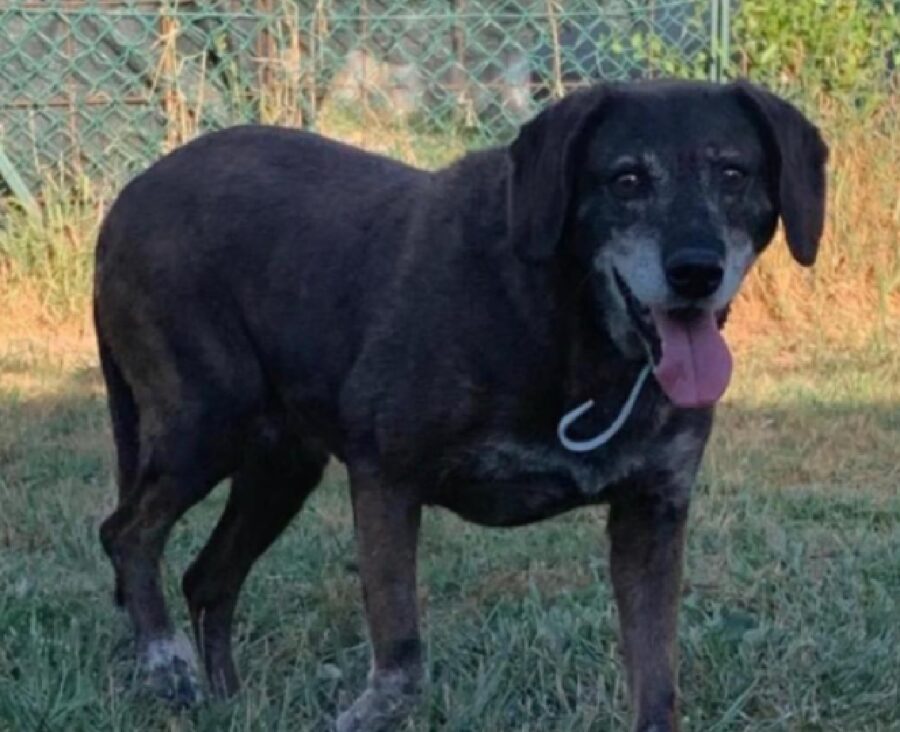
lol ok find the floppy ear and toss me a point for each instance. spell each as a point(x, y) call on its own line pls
point(800, 155)
point(541, 179)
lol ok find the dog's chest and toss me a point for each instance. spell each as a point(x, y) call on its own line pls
point(657, 446)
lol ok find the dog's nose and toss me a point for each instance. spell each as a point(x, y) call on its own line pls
point(694, 273)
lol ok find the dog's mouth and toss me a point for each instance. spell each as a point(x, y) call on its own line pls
point(691, 360)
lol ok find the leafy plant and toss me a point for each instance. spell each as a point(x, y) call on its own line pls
point(839, 48)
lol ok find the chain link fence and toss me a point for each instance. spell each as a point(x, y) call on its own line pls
point(97, 88)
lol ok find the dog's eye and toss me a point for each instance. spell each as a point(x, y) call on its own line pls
point(733, 179)
point(628, 185)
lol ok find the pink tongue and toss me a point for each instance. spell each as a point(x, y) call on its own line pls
point(695, 367)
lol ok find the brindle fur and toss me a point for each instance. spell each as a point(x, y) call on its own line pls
point(266, 298)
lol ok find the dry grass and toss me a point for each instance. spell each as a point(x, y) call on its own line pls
point(851, 298)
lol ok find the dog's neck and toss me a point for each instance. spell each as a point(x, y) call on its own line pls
point(595, 365)
point(587, 361)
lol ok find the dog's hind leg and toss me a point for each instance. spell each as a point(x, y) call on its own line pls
point(182, 457)
point(267, 491)
point(124, 418)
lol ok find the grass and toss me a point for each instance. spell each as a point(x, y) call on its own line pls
point(790, 608)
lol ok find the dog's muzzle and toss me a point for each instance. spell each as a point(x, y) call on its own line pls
point(691, 361)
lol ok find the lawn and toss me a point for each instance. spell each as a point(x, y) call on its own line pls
point(790, 609)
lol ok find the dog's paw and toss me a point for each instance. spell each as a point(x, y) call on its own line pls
point(387, 702)
point(168, 670)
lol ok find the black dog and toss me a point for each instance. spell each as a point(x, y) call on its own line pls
point(266, 298)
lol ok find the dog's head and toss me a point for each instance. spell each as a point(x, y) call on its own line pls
point(664, 194)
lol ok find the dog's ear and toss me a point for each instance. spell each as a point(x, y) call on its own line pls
point(799, 154)
point(541, 172)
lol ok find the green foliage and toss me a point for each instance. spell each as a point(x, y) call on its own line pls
point(835, 47)
point(664, 57)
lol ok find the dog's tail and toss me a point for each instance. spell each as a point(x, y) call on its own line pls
point(123, 412)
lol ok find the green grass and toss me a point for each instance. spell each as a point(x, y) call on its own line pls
point(789, 619)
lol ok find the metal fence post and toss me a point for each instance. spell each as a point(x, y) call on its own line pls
point(719, 38)
point(725, 43)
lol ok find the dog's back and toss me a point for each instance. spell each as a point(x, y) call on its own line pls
point(210, 255)
point(253, 195)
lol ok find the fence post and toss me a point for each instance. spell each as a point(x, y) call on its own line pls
point(725, 39)
point(719, 38)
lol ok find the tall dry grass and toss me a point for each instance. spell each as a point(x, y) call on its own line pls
point(851, 297)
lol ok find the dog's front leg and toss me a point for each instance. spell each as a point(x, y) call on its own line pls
point(387, 526)
point(647, 537)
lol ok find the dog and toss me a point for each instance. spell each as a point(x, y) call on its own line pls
point(533, 328)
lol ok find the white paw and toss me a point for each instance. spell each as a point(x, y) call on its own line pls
point(387, 702)
point(170, 670)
